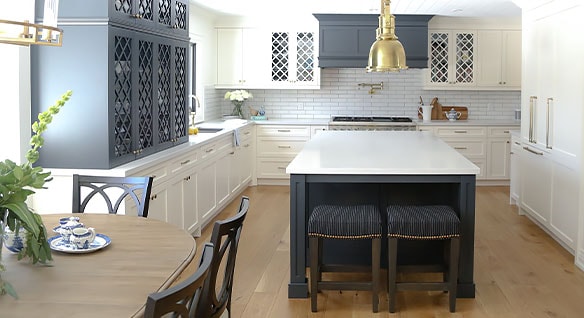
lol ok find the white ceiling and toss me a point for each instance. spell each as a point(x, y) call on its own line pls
point(456, 8)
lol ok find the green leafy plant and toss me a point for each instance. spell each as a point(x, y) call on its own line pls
point(16, 184)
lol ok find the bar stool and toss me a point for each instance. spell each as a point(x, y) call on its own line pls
point(433, 222)
point(344, 222)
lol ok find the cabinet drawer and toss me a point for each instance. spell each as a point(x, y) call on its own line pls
point(278, 147)
point(501, 131)
point(184, 162)
point(246, 132)
point(460, 131)
point(273, 168)
point(160, 173)
point(469, 148)
point(213, 148)
point(284, 131)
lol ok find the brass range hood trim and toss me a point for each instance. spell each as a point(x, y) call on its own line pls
point(387, 54)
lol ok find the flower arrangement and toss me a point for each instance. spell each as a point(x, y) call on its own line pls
point(238, 97)
point(16, 184)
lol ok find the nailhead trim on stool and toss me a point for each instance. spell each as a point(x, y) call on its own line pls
point(344, 222)
point(434, 222)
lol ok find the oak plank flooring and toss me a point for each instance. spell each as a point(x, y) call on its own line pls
point(520, 271)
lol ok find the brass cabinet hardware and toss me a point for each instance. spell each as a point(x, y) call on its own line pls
point(533, 151)
point(185, 162)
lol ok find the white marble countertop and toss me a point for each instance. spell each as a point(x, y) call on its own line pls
point(471, 122)
point(379, 152)
point(325, 121)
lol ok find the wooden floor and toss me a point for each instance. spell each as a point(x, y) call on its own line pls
point(519, 270)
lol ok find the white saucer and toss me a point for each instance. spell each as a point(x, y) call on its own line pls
point(56, 243)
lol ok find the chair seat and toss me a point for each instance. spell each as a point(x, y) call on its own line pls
point(430, 222)
point(345, 222)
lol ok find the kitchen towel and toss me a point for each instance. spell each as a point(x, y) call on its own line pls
point(236, 137)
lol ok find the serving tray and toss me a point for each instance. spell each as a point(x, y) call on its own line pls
point(57, 244)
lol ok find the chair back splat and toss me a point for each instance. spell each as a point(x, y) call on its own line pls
point(225, 238)
point(183, 298)
point(113, 191)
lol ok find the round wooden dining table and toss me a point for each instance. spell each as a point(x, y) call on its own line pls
point(144, 256)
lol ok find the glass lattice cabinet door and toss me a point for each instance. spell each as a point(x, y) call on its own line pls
point(452, 60)
point(293, 58)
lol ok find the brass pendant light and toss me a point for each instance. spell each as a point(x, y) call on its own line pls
point(387, 54)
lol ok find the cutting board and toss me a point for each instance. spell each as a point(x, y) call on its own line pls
point(438, 111)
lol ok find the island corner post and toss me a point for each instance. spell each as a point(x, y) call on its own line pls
point(308, 190)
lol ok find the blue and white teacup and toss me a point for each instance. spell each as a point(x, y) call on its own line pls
point(82, 237)
point(66, 225)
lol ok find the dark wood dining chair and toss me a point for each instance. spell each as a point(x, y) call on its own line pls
point(225, 238)
point(113, 190)
point(182, 299)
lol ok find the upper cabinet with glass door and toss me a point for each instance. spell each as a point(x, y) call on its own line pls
point(451, 60)
point(167, 17)
point(257, 58)
point(294, 60)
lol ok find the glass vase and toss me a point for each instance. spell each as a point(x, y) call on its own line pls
point(237, 109)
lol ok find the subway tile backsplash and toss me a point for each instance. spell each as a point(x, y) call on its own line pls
point(339, 94)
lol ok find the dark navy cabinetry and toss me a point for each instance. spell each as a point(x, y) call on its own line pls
point(345, 39)
point(129, 94)
point(169, 17)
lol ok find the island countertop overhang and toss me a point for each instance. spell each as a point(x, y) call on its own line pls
point(380, 153)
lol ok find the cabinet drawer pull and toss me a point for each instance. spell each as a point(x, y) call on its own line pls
point(283, 130)
point(460, 131)
point(154, 197)
point(533, 151)
point(187, 178)
point(153, 176)
point(506, 131)
point(247, 133)
point(282, 168)
point(232, 153)
point(246, 145)
point(185, 162)
point(209, 150)
point(284, 146)
point(517, 143)
point(460, 148)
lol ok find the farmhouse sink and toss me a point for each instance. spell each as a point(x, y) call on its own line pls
point(208, 130)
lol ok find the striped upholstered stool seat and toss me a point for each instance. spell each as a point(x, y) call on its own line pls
point(432, 222)
point(344, 222)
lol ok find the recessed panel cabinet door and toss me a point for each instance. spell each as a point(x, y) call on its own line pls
point(206, 191)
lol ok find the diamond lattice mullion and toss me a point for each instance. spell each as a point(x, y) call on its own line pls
point(145, 9)
point(164, 112)
point(305, 61)
point(122, 96)
point(164, 12)
point(179, 92)
point(145, 107)
point(280, 42)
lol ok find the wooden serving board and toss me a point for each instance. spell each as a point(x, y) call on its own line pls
point(438, 112)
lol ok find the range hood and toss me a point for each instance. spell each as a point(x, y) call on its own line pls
point(345, 39)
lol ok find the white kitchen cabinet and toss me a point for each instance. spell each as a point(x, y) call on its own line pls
point(515, 170)
point(552, 114)
point(536, 185)
point(488, 147)
point(499, 152)
point(564, 204)
point(241, 166)
point(293, 62)
point(451, 59)
point(206, 191)
point(243, 58)
point(499, 59)
point(276, 146)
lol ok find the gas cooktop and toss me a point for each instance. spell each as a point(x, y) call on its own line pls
point(372, 119)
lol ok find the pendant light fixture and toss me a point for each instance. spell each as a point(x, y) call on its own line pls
point(387, 54)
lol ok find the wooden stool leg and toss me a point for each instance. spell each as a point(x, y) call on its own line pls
point(453, 275)
point(392, 272)
point(375, 271)
point(314, 245)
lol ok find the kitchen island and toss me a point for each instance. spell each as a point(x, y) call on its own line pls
point(379, 167)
